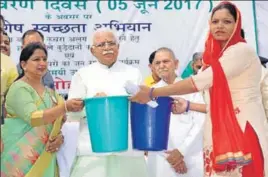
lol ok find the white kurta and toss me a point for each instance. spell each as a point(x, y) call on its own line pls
point(86, 83)
point(186, 135)
point(264, 90)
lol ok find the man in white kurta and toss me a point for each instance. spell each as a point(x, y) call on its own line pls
point(106, 77)
point(185, 134)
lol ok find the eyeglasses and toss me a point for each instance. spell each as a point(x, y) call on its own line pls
point(103, 44)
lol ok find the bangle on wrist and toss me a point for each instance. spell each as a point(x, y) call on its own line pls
point(188, 106)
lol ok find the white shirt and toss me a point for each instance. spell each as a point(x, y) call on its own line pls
point(95, 78)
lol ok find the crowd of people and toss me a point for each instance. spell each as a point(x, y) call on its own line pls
point(218, 127)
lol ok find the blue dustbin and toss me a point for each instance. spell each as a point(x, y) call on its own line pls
point(107, 119)
point(150, 126)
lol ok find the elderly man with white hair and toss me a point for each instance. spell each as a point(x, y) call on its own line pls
point(106, 77)
point(184, 157)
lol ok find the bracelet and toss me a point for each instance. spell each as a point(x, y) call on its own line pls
point(188, 106)
point(65, 106)
point(151, 94)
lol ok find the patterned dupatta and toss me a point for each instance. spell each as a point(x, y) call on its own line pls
point(44, 160)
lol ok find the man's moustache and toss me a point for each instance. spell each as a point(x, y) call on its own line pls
point(107, 52)
point(163, 70)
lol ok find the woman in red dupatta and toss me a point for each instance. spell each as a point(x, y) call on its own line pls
point(235, 139)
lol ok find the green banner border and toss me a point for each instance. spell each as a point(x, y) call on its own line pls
point(255, 25)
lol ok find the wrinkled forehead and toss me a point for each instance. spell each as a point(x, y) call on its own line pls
point(163, 55)
point(103, 36)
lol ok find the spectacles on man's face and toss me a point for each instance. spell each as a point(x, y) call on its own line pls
point(103, 44)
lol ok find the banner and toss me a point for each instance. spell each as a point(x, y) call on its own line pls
point(261, 9)
point(141, 26)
